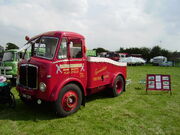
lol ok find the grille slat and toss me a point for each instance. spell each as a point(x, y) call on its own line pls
point(22, 73)
point(28, 76)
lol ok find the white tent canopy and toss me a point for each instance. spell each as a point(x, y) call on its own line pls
point(133, 60)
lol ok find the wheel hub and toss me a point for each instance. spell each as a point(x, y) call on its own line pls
point(119, 86)
point(69, 100)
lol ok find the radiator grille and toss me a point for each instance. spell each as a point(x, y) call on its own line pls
point(28, 75)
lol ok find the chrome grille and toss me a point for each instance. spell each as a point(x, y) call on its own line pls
point(28, 76)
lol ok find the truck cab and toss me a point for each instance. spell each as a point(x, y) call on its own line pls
point(8, 67)
point(59, 71)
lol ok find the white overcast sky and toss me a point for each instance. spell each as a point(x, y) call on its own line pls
point(110, 24)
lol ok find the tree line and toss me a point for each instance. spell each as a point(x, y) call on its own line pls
point(146, 53)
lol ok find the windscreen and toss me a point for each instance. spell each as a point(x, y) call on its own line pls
point(8, 56)
point(46, 47)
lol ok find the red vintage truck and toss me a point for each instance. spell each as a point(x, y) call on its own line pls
point(60, 72)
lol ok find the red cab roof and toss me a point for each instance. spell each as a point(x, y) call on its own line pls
point(59, 33)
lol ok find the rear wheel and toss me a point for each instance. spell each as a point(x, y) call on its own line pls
point(69, 100)
point(118, 86)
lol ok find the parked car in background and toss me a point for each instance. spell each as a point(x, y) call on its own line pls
point(166, 64)
point(111, 55)
point(158, 59)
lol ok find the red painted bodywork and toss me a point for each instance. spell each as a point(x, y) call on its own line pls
point(115, 58)
point(91, 77)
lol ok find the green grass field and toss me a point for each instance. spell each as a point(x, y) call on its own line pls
point(134, 112)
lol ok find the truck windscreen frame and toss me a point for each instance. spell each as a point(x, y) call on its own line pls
point(45, 47)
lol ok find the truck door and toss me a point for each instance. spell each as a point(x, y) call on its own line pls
point(77, 59)
point(62, 70)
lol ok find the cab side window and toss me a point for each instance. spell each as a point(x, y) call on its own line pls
point(76, 48)
point(62, 54)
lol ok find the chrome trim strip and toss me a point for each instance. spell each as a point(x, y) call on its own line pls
point(6, 67)
point(60, 61)
point(77, 60)
point(24, 64)
point(8, 76)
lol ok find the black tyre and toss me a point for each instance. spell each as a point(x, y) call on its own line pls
point(118, 86)
point(13, 81)
point(12, 101)
point(69, 100)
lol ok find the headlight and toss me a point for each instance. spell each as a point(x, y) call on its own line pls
point(42, 87)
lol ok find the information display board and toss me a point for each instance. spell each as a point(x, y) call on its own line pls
point(158, 82)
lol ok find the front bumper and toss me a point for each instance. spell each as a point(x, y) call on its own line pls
point(4, 70)
point(32, 94)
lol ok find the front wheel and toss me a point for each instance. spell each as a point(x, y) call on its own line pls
point(12, 101)
point(118, 86)
point(69, 100)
